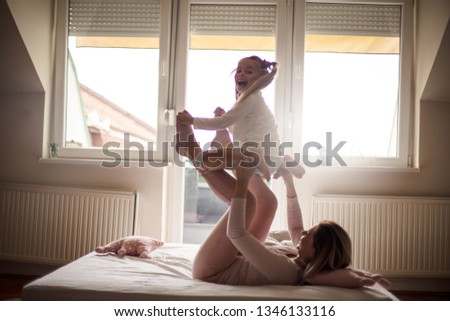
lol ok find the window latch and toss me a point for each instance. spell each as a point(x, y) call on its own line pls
point(169, 117)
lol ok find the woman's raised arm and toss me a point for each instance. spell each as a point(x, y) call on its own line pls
point(294, 212)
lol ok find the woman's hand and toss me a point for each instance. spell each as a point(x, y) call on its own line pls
point(284, 173)
point(185, 118)
point(288, 181)
point(372, 278)
point(348, 278)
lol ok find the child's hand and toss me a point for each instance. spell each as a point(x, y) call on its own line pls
point(185, 118)
point(219, 111)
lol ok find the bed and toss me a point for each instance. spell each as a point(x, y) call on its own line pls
point(167, 276)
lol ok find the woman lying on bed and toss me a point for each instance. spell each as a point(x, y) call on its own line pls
point(234, 253)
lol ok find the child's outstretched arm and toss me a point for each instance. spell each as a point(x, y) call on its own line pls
point(225, 120)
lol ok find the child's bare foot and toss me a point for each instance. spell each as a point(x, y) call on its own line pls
point(293, 166)
point(185, 143)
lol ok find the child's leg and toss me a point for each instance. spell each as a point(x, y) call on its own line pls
point(262, 165)
point(187, 146)
point(222, 139)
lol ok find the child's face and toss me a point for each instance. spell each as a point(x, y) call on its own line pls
point(247, 72)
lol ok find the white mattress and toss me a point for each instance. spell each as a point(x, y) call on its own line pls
point(167, 276)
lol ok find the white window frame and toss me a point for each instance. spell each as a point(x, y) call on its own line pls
point(57, 134)
point(405, 130)
point(289, 84)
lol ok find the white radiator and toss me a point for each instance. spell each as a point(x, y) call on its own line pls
point(395, 236)
point(43, 224)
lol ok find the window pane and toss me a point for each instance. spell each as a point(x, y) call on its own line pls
point(351, 80)
point(214, 52)
point(112, 73)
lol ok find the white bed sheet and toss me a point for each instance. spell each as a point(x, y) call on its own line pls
point(167, 276)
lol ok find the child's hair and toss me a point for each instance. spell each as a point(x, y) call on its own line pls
point(333, 249)
point(268, 72)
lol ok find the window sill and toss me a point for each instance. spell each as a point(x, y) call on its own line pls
point(70, 161)
point(146, 164)
point(102, 162)
point(391, 169)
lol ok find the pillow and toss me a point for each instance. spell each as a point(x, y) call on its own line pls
point(131, 245)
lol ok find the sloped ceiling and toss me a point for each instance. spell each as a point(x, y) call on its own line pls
point(17, 72)
point(437, 87)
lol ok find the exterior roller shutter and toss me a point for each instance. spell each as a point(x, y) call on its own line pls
point(103, 18)
point(353, 19)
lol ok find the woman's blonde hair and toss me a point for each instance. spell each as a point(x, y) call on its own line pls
point(268, 72)
point(333, 249)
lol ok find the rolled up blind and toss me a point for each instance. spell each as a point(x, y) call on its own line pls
point(353, 19)
point(236, 20)
point(102, 18)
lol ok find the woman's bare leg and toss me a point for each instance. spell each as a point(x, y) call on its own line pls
point(266, 206)
point(217, 252)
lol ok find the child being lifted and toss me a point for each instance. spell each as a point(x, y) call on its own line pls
point(250, 121)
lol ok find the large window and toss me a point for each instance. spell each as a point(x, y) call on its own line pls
point(355, 102)
point(349, 61)
point(113, 86)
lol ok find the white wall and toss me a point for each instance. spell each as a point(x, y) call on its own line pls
point(432, 18)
